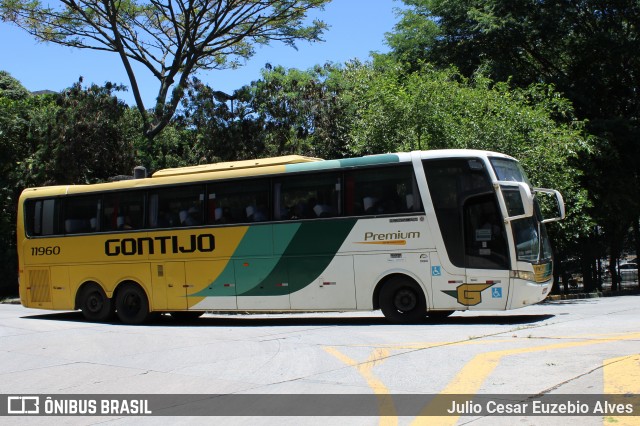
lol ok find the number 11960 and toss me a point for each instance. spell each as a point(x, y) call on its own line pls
point(45, 251)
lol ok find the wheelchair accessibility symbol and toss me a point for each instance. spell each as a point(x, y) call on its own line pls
point(436, 271)
point(496, 293)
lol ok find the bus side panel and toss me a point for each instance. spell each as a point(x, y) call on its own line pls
point(333, 289)
point(493, 287)
point(262, 284)
point(447, 289)
point(217, 279)
point(60, 291)
point(370, 269)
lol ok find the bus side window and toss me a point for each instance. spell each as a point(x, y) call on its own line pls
point(382, 190)
point(308, 196)
point(42, 217)
point(122, 211)
point(80, 214)
point(239, 201)
point(176, 207)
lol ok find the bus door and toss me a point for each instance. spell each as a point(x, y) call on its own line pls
point(473, 232)
point(170, 289)
point(486, 254)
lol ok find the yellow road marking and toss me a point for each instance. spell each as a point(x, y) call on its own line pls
point(429, 345)
point(471, 377)
point(622, 376)
point(474, 373)
point(385, 402)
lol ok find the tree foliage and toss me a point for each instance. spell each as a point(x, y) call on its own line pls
point(287, 111)
point(78, 138)
point(224, 127)
point(586, 48)
point(11, 88)
point(171, 40)
point(303, 111)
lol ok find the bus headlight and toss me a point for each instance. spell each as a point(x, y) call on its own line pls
point(524, 275)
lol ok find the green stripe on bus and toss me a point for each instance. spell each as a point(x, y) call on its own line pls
point(309, 253)
point(258, 240)
point(347, 162)
point(309, 247)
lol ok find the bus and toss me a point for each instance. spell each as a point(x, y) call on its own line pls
point(414, 234)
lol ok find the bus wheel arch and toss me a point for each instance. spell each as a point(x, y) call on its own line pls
point(401, 299)
point(131, 303)
point(94, 303)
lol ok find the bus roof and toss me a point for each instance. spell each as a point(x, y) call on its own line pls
point(246, 168)
point(236, 165)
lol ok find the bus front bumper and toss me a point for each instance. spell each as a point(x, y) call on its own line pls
point(525, 293)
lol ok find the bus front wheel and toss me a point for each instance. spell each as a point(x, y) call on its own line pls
point(94, 303)
point(402, 301)
point(132, 305)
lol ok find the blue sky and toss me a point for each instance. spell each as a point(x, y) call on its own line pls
point(357, 27)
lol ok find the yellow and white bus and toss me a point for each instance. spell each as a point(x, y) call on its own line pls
point(414, 234)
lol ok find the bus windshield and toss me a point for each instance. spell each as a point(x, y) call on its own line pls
point(532, 241)
point(530, 234)
point(509, 170)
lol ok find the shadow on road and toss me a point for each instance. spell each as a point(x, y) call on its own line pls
point(288, 320)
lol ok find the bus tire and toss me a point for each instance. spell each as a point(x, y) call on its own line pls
point(132, 305)
point(94, 303)
point(186, 316)
point(402, 301)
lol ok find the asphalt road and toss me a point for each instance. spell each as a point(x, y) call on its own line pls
point(576, 347)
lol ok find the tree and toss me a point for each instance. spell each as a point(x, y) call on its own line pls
point(11, 88)
point(586, 48)
point(84, 125)
point(304, 112)
point(14, 129)
point(223, 127)
point(287, 111)
point(172, 39)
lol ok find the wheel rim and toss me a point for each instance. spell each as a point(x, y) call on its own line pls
point(405, 300)
point(95, 302)
point(131, 303)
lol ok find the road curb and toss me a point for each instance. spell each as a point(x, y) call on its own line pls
point(594, 295)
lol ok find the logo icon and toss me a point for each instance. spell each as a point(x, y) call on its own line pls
point(23, 405)
point(469, 294)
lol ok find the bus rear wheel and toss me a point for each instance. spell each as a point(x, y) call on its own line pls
point(402, 301)
point(132, 305)
point(94, 303)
